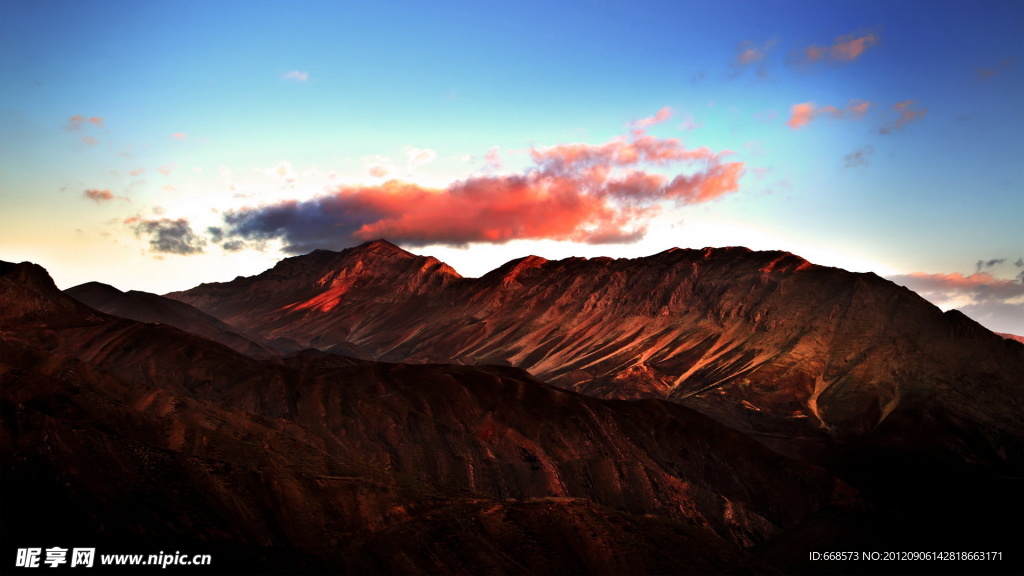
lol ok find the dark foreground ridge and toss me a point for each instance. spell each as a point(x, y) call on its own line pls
point(139, 437)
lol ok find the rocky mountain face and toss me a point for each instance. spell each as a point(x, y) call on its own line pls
point(762, 341)
point(142, 437)
point(139, 435)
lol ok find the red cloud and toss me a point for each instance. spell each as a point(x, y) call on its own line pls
point(802, 114)
point(580, 192)
point(845, 49)
point(98, 196)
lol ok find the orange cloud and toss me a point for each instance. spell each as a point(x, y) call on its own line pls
point(179, 136)
point(90, 141)
point(579, 192)
point(98, 196)
point(845, 49)
point(802, 114)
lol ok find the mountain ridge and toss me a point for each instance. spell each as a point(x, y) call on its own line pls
point(766, 342)
point(141, 433)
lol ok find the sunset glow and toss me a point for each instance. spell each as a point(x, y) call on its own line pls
point(152, 146)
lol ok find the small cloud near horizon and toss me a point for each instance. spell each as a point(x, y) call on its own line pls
point(167, 236)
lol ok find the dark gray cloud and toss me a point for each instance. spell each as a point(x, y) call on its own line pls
point(982, 264)
point(168, 236)
point(327, 222)
point(216, 234)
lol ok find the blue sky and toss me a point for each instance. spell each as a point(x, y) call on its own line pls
point(156, 145)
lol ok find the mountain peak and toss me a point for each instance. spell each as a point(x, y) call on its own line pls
point(379, 246)
point(28, 295)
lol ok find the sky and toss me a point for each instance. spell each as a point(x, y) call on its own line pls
point(157, 145)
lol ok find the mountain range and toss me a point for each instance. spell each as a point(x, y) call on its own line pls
point(371, 411)
point(763, 341)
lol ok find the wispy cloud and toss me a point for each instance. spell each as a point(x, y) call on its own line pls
point(416, 157)
point(90, 141)
point(663, 115)
point(988, 73)
point(752, 55)
point(906, 112)
point(844, 49)
point(858, 157)
point(166, 169)
point(802, 114)
point(296, 76)
point(77, 122)
point(581, 192)
point(492, 159)
point(378, 166)
point(982, 264)
point(98, 196)
point(282, 171)
point(168, 236)
point(179, 136)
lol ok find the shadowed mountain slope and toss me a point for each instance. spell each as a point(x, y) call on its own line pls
point(142, 436)
point(765, 342)
point(146, 307)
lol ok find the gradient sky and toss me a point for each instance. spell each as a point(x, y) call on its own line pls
point(157, 145)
